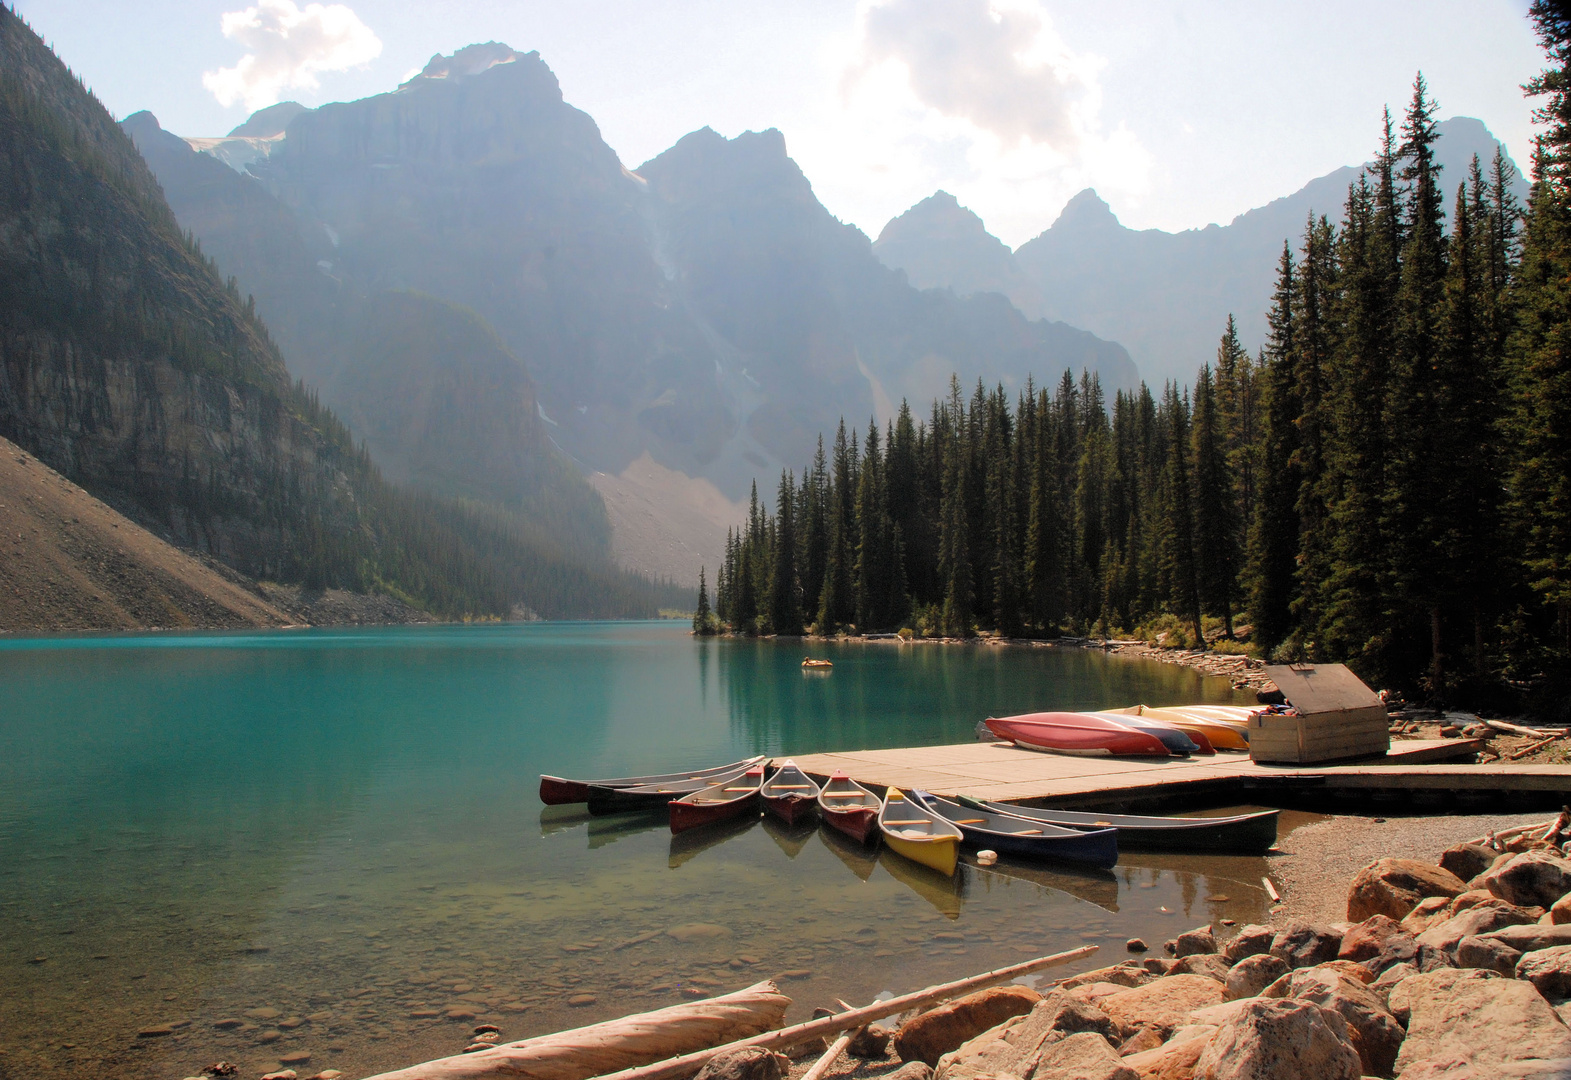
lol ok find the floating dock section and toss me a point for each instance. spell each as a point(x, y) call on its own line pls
point(1421, 774)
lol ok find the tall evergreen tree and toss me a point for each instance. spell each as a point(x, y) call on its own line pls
point(703, 618)
point(1273, 542)
point(1216, 533)
point(785, 597)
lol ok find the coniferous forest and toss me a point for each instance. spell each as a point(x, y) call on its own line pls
point(1387, 482)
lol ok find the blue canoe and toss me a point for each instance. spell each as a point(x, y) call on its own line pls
point(1010, 835)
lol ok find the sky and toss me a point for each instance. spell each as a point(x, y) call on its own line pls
point(1179, 114)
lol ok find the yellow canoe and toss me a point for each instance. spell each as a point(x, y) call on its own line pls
point(919, 836)
point(1222, 734)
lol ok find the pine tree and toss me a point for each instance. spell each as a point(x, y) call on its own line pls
point(1216, 514)
point(836, 604)
point(954, 525)
point(785, 599)
point(1273, 540)
point(703, 618)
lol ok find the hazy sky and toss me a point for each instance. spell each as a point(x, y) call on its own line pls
point(1179, 114)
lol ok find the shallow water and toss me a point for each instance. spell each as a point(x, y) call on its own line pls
point(324, 834)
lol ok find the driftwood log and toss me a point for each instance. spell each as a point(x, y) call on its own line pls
point(688, 1064)
point(616, 1044)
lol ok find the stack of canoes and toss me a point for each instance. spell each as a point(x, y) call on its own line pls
point(559, 791)
point(729, 798)
point(1138, 731)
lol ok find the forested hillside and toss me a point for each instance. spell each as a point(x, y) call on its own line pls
point(127, 364)
point(1388, 482)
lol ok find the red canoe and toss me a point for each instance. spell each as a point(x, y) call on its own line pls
point(559, 790)
point(717, 802)
point(1076, 733)
point(789, 794)
point(850, 807)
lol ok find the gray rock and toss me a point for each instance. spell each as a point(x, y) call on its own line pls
point(1547, 969)
point(1249, 941)
point(1280, 1040)
point(1467, 861)
point(1085, 1056)
point(1488, 954)
point(749, 1063)
point(1532, 878)
point(1484, 1021)
point(1194, 942)
point(1388, 980)
point(1253, 974)
point(1396, 949)
point(1306, 944)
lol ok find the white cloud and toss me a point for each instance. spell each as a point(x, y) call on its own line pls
point(286, 47)
point(983, 98)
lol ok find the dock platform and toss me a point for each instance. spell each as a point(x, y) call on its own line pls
point(1422, 773)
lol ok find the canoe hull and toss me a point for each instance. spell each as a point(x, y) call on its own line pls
point(791, 808)
point(604, 800)
point(940, 853)
point(559, 791)
point(1097, 847)
point(1078, 734)
point(1243, 834)
point(686, 815)
point(859, 823)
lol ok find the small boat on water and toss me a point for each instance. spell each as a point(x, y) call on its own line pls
point(809, 662)
point(656, 796)
point(1076, 733)
point(790, 795)
point(849, 807)
point(1008, 834)
point(1179, 743)
point(560, 791)
point(1221, 734)
point(729, 798)
point(1238, 834)
point(919, 834)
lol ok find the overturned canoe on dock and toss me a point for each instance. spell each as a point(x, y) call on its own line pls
point(560, 791)
point(1078, 734)
point(616, 1044)
point(1238, 834)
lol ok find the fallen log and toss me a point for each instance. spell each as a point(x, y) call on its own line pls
point(1531, 747)
point(1517, 729)
point(616, 1044)
point(836, 1048)
point(688, 1064)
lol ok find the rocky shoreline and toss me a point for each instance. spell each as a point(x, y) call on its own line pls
point(1458, 968)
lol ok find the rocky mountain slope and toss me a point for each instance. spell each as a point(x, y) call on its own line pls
point(1166, 296)
point(129, 365)
point(705, 311)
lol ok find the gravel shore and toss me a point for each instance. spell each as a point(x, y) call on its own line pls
point(1319, 860)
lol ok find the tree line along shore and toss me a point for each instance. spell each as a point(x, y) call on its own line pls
point(1386, 483)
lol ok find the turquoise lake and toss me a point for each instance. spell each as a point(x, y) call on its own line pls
point(321, 834)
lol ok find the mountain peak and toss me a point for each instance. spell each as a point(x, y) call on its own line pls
point(1087, 210)
point(268, 122)
point(940, 215)
point(468, 61)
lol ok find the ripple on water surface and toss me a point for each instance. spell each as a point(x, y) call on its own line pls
point(254, 847)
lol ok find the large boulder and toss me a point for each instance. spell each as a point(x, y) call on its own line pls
point(748, 1063)
point(1164, 1004)
point(1467, 861)
point(1454, 1068)
point(1249, 941)
point(1531, 878)
point(930, 1035)
point(1086, 1056)
point(1533, 936)
point(1547, 969)
point(1272, 1039)
point(1484, 1021)
point(1487, 955)
point(1392, 887)
point(1401, 996)
point(1426, 913)
point(1129, 973)
point(1303, 944)
point(1480, 919)
point(1253, 974)
point(1007, 1050)
point(1173, 1060)
point(1364, 940)
point(1397, 949)
point(1560, 912)
point(1208, 964)
point(1372, 1029)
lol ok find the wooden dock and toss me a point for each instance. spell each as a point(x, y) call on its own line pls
point(1424, 774)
